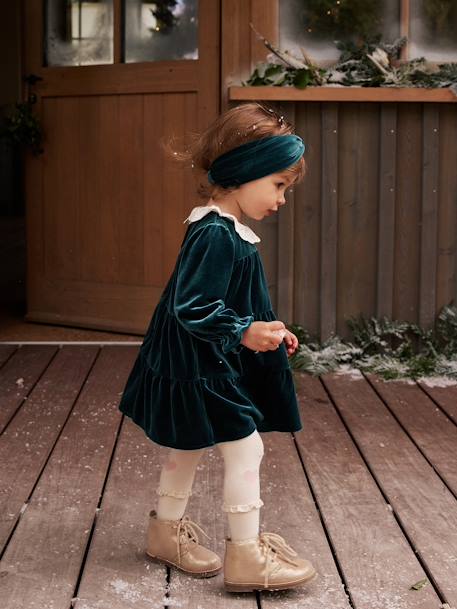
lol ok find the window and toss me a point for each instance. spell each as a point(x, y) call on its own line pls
point(161, 30)
point(432, 27)
point(81, 32)
point(315, 25)
point(78, 32)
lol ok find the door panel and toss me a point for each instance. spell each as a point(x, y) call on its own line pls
point(105, 208)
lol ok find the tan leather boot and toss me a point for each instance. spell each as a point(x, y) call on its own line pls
point(265, 562)
point(175, 543)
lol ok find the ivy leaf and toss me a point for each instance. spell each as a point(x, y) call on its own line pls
point(420, 584)
point(275, 75)
point(256, 82)
point(261, 69)
point(273, 70)
point(303, 78)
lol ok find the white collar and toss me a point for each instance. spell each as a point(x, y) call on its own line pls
point(244, 231)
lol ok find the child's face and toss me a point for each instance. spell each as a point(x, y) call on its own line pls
point(264, 196)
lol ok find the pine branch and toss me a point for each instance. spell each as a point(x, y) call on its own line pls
point(293, 62)
point(366, 64)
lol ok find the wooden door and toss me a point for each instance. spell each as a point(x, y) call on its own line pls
point(105, 208)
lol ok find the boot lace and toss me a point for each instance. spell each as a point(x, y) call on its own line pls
point(187, 529)
point(275, 547)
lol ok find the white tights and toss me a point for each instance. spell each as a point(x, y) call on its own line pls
point(242, 501)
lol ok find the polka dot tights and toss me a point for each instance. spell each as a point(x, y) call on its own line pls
point(242, 501)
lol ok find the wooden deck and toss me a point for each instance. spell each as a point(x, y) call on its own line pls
point(367, 490)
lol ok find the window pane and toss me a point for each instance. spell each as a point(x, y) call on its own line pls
point(433, 30)
point(78, 33)
point(316, 24)
point(164, 30)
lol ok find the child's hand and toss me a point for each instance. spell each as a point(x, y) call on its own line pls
point(291, 341)
point(264, 335)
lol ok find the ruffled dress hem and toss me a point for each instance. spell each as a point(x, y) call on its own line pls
point(216, 409)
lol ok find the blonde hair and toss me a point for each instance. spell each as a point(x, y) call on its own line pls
point(237, 126)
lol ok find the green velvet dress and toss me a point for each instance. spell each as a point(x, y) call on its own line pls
point(193, 384)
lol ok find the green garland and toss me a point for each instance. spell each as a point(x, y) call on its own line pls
point(369, 63)
point(23, 128)
point(391, 349)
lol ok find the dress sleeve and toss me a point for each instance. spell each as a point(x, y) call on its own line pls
point(203, 277)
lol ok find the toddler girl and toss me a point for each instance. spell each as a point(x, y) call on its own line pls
point(213, 368)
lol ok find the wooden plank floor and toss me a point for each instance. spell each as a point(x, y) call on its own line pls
point(367, 490)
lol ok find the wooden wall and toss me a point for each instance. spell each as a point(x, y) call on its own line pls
point(373, 227)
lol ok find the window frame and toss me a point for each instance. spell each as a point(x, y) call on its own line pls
point(264, 15)
point(404, 30)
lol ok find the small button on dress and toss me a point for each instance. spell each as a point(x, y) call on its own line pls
point(193, 384)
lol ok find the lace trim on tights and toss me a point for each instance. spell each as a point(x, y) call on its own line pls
point(178, 495)
point(247, 507)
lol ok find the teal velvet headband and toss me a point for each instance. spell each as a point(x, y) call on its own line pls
point(256, 159)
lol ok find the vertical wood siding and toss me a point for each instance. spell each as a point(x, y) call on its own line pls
point(372, 230)
point(114, 203)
